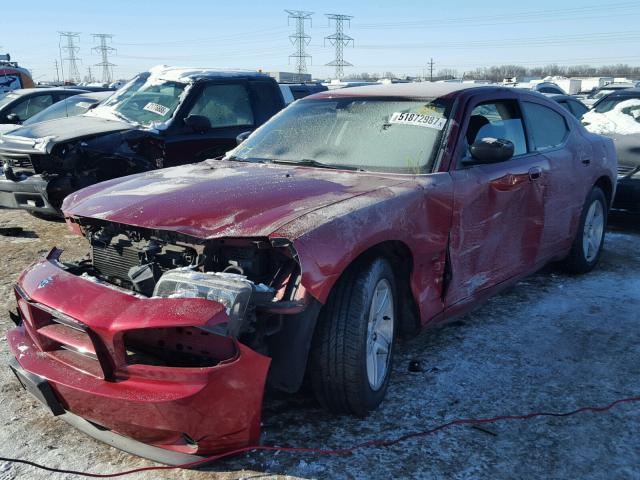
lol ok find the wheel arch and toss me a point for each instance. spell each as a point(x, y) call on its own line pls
point(401, 259)
point(605, 184)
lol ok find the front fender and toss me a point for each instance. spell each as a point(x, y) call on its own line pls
point(417, 214)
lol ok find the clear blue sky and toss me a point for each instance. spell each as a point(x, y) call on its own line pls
point(398, 36)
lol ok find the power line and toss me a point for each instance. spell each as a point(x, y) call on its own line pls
point(339, 40)
point(581, 39)
point(70, 38)
point(105, 50)
point(300, 40)
point(521, 17)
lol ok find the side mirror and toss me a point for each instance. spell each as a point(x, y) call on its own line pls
point(13, 118)
point(491, 150)
point(243, 136)
point(198, 123)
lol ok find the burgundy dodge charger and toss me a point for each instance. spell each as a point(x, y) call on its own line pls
point(350, 218)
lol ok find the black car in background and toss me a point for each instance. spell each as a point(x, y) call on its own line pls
point(575, 106)
point(161, 118)
point(20, 105)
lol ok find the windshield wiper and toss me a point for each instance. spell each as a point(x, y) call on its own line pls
point(309, 162)
point(233, 158)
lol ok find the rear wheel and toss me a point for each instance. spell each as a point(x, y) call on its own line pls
point(587, 245)
point(352, 351)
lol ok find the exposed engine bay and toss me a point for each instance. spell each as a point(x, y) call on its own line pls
point(257, 280)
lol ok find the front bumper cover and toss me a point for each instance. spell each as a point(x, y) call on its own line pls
point(167, 414)
point(29, 193)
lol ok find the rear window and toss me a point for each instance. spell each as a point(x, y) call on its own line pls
point(548, 128)
point(549, 90)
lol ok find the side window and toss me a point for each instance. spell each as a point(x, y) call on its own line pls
point(20, 109)
point(548, 128)
point(225, 105)
point(29, 107)
point(499, 119)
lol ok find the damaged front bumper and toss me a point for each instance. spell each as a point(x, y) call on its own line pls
point(76, 340)
point(28, 193)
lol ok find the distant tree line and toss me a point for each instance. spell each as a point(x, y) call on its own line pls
point(500, 72)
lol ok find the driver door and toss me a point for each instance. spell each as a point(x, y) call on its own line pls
point(498, 210)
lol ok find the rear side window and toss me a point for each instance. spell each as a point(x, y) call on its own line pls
point(225, 105)
point(548, 128)
point(268, 100)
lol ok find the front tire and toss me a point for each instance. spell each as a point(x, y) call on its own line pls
point(352, 351)
point(587, 245)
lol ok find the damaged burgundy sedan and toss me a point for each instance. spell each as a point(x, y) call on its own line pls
point(350, 218)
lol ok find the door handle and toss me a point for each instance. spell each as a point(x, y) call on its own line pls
point(535, 173)
point(586, 161)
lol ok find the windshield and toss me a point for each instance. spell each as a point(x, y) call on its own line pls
point(600, 93)
point(7, 98)
point(69, 107)
point(379, 134)
point(145, 100)
point(607, 104)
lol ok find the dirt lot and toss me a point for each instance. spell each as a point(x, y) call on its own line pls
point(553, 343)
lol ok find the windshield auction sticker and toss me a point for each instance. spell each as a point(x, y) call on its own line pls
point(156, 108)
point(418, 120)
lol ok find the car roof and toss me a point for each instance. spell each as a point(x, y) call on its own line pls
point(620, 92)
point(27, 91)
point(415, 90)
point(559, 96)
point(94, 96)
point(189, 74)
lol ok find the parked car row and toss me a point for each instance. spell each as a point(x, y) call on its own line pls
point(612, 111)
point(301, 245)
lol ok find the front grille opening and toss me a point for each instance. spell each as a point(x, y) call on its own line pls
point(114, 259)
point(185, 347)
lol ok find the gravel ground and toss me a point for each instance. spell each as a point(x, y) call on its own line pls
point(553, 343)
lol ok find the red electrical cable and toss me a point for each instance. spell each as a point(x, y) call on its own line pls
point(341, 451)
